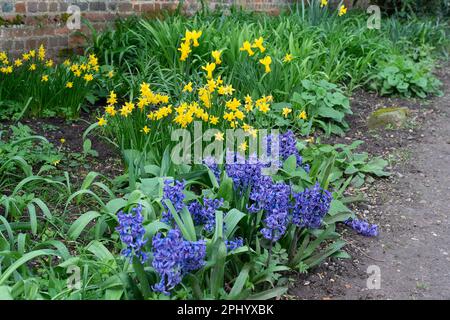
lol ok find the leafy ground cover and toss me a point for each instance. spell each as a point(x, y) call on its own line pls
point(92, 205)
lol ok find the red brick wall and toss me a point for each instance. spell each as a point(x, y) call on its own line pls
point(25, 24)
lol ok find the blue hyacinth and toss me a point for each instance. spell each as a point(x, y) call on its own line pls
point(205, 214)
point(234, 244)
point(132, 234)
point(310, 207)
point(363, 227)
point(173, 191)
point(245, 172)
point(287, 144)
point(173, 257)
point(211, 163)
point(274, 200)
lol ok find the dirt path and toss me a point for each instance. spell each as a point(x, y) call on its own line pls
point(412, 252)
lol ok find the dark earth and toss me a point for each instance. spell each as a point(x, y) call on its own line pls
point(411, 208)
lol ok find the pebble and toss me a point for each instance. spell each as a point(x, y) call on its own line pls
point(306, 283)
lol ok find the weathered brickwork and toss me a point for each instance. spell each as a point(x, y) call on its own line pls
point(24, 24)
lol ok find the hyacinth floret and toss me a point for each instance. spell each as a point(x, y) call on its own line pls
point(363, 227)
point(132, 233)
point(205, 214)
point(311, 206)
point(173, 257)
point(173, 191)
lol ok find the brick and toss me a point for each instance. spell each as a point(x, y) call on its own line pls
point(53, 7)
point(32, 7)
point(43, 7)
point(97, 6)
point(21, 7)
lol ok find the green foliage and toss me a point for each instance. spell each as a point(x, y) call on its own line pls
point(325, 106)
point(403, 76)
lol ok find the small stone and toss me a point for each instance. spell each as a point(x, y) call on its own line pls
point(387, 116)
point(306, 283)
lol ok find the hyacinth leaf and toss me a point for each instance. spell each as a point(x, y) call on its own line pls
point(312, 246)
point(231, 220)
point(5, 293)
point(213, 179)
point(218, 270)
point(290, 164)
point(142, 277)
point(240, 282)
point(319, 257)
point(33, 219)
point(80, 224)
point(23, 260)
point(194, 282)
point(183, 228)
point(115, 205)
point(113, 294)
point(60, 247)
point(218, 233)
point(165, 162)
point(22, 164)
point(189, 223)
point(100, 251)
point(154, 227)
point(226, 189)
point(269, 294)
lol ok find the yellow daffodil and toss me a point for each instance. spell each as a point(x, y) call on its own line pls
point(226, 90)
point(302, 115)
point(69, 85)
point(41, 53)
point(32, 67)
point(66, 62)
point(146, 130)
point(253, 132)
point(62, 140)
point(112, 99)
point(219, 136)
point(49, 63)
point(213, 120)
point(56, 162)
point(44, 78)
point(17, 62)
point(32, 53)
point(247, 46)
point(243, 146)
point(288, 57)
point(110, 74)
point(188, 87)
point(323, 3)
point(216, 55)
point(266, 61)
point(185, 49)
point(342, 10)
point(101, 121)
point(209, 68)
point(309, 140)
point(195, 35)
point(110, 110)
point(286, 112)
point(258, 43)
point(26, 56)
point(88, 77)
